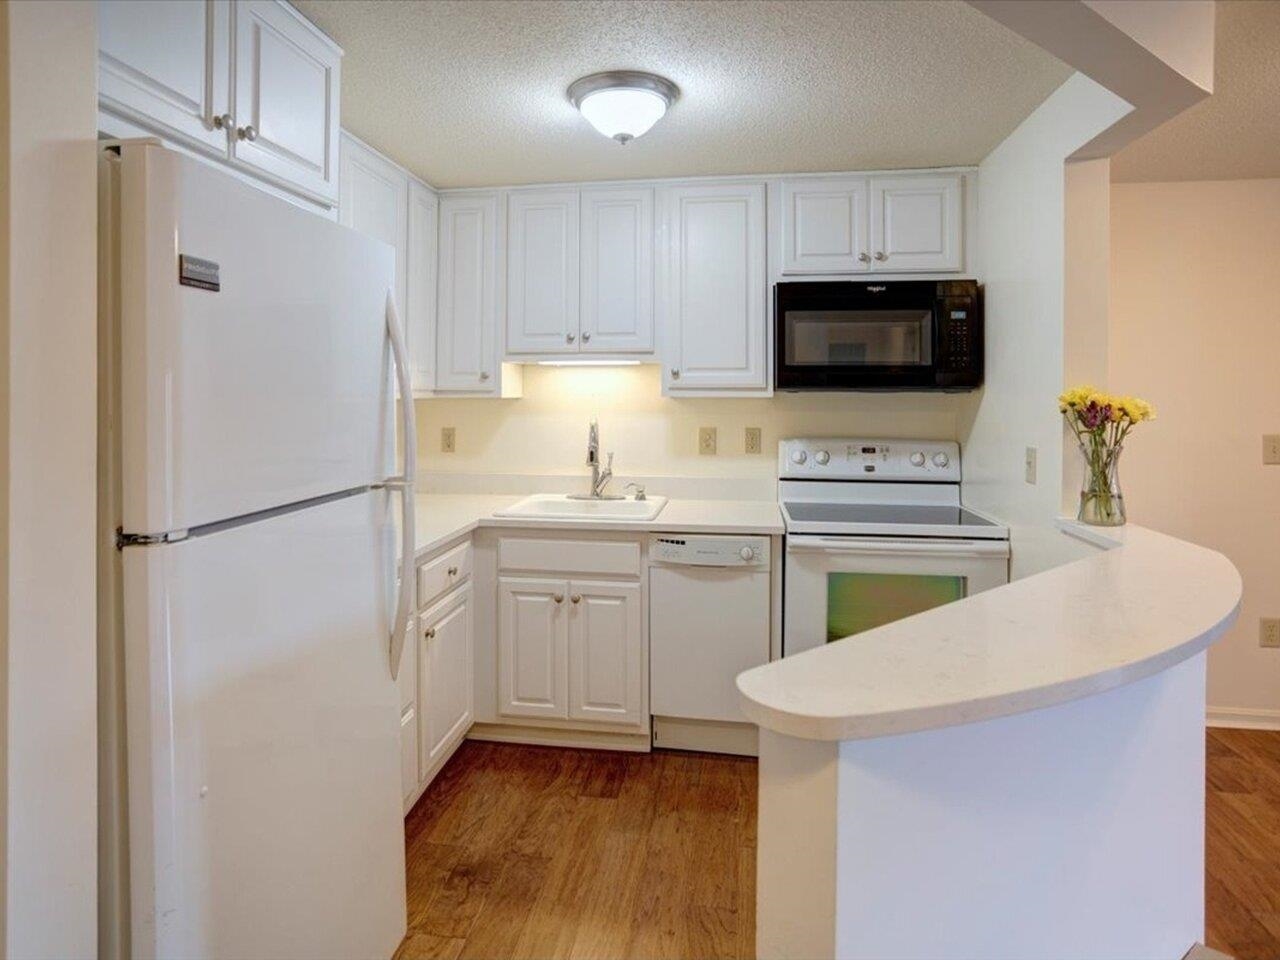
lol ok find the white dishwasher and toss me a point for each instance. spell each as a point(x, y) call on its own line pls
point(709, 619)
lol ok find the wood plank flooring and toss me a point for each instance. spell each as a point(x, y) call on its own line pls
point(538, 852)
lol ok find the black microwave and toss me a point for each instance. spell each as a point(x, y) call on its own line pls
point(884, 335)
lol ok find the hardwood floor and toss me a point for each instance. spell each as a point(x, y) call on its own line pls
point(546, 853)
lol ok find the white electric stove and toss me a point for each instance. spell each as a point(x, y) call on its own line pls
point(876, 532)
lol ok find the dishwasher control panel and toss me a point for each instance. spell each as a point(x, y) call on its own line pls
point(709, 551)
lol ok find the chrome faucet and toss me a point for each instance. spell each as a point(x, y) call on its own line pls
point(599, 478)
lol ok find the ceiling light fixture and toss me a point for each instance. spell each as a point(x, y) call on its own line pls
point(623, 104)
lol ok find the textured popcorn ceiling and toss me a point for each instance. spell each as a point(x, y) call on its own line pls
point(473, 93)
point(1234, 134)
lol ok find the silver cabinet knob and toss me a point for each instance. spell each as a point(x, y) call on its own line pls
point(247, 132)
point(569, 338)
point(675, 373)
point(452, 571)
point(586, 335)
point(576, 598)
point(484, 374)
point(864, 258)
point(558, 598)
point(881, 256)
point(429, 633)
point(224, 122)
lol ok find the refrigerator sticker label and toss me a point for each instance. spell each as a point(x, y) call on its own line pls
point(194, 272)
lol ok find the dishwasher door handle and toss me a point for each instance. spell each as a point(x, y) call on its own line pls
point(902, 547)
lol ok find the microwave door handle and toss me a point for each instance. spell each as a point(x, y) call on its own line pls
point(981, 549)
point(404, 484)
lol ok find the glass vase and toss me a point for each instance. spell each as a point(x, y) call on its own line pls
point(1101, 499)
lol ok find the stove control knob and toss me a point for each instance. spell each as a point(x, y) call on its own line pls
point(917, 459)
point(822, 457)
point(799, 456)
point(941, 460)
point(746, 553)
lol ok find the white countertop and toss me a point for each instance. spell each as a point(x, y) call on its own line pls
point(1145, 604)
point(441, 518)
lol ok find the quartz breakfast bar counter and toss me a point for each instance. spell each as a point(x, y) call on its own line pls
point(1018, 774)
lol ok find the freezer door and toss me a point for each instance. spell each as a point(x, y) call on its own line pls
point(268, 390)
point(263, 739)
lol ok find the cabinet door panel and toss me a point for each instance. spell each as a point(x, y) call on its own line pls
point(824, 226)
point(915, 223)
point(287, 79)
point(374, 201)
point(715, 288)
point(466, 319)
point(542, 272)
point(166, 65)
point(532, 647)
point(606, 661)
point(420, 299)
point(617, 271)
point(445, 685)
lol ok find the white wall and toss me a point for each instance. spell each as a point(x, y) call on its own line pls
point(1195, 328)
point(1022, 236)
point(48, 392)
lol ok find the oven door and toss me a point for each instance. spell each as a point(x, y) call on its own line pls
point(839, 586)
point(856, 336)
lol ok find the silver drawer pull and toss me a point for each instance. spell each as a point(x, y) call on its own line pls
point(452, 571)
point(558, 598)
point(224, 122)
point(880, 255)
point(247, 132)
point(586, 336)
point(576, 598)
point(484, 374)
point(675, 373)
point(430, 633)
point(864, 258)
point(569, 338)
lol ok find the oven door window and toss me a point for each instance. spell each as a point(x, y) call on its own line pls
point(859, 338)
point(860, 601)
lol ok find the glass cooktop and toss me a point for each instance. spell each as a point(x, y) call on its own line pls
point(884, 513)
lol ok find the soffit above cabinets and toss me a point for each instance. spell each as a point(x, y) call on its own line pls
point(473, 94)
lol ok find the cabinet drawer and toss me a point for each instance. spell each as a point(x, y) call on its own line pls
point(446, 571)
point(603, 558)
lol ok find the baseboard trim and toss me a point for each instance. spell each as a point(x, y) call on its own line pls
point(1242, 719)
point(551, 737)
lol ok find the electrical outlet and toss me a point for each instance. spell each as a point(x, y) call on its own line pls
point(1269, 632)
point(448, 440)
point(1271, 449)
point(751, 442)
point(706, 439)
point(1029, 473)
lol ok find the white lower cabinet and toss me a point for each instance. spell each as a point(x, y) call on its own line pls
point(570, 649)
point(444, 678)
point(407, 681)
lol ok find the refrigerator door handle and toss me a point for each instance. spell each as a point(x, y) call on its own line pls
point(403, 483)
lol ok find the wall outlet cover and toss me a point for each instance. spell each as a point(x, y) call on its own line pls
point(448, 440)
point(1029, 473)
point(1271, 449)
point(1269, 632)
point(706, 440)
point(751, 441)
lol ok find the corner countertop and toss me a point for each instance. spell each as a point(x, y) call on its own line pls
point(443, 518)
point(1142, 604)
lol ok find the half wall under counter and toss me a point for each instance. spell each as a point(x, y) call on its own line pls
point(1017, 774)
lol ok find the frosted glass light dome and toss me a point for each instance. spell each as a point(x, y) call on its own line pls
point(623, 104)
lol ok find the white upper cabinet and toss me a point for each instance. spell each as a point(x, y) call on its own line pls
point(286, 102)
point(542, 271)
point(251, 83)
point(466, 357)
point(916, 223)
point(374, 201)
point(824, 226)
point(715, 320)
point(617, 271)
point(420, 302)
point(166, 65)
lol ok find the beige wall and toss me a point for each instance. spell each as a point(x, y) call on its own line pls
point(48, 514)
point(545, 432)
point(1195, 321)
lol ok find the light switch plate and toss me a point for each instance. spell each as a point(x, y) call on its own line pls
point(1271, 449)
point(1029, 473)
point(706, 440)
point(751, 442)
point(1269, 632)
point(448, 440)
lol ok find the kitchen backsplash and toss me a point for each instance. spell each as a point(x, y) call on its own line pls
point(545, 432)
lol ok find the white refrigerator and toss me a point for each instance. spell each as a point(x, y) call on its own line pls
point(249, 606)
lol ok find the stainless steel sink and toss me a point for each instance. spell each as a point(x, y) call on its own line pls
point(551, 506)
